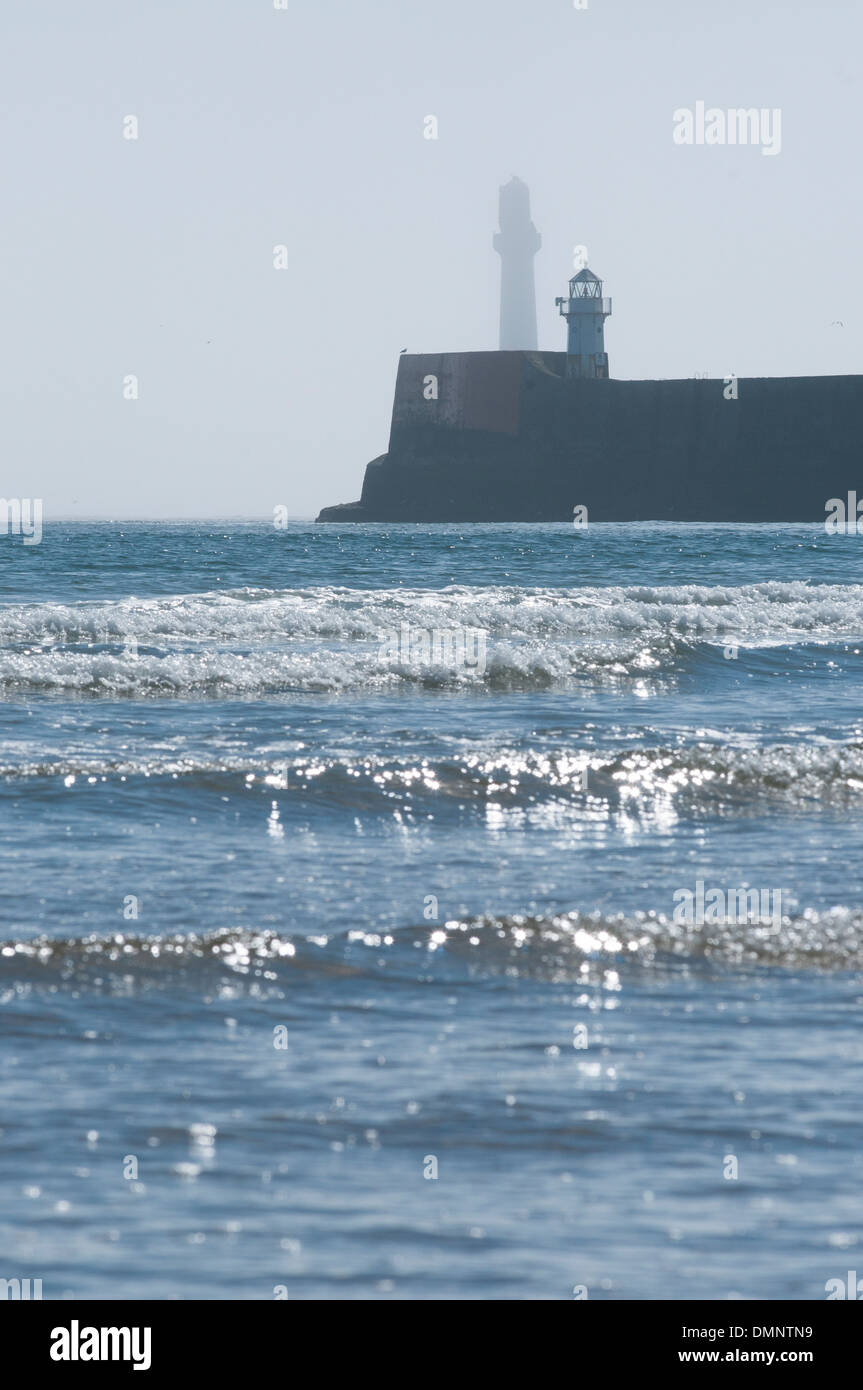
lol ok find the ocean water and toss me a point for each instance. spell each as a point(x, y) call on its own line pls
point(335, 966)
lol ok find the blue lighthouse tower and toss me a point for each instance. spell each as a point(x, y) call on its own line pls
point(585, 312)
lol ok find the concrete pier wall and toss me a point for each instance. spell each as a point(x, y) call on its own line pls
point(508, 437)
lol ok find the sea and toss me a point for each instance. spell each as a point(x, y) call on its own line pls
point(454, 912)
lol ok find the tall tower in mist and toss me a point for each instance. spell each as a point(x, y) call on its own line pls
point(517, 242)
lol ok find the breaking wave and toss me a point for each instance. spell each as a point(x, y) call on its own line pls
point(774, 610)
point(260, 641)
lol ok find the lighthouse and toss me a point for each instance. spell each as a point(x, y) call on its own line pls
point(585, 312)
point(517, 242)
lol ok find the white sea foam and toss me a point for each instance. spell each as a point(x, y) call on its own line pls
point(259, 641)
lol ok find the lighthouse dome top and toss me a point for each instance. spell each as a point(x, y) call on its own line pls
point(585, 285)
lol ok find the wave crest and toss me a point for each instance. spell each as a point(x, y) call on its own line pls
point(577, 945)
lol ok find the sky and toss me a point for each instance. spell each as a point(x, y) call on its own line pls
point(147, 265)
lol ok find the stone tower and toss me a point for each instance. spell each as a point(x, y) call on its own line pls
point(517, 242)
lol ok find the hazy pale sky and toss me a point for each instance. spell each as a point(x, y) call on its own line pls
point(304, 127)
